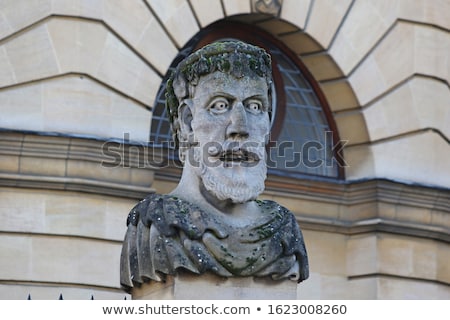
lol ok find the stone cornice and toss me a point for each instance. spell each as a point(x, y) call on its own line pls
point(376, 225)
point(75, 164)
point(74, 184)
point(357, 192)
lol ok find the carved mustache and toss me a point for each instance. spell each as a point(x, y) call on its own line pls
point(232, 151)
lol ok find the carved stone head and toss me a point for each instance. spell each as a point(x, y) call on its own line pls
point(234, 58)
point(219, 101)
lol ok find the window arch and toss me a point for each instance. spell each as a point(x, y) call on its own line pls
point(304, 139)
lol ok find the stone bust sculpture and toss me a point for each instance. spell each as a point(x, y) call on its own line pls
point(219, 101)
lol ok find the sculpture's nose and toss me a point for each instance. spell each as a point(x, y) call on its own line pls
point(238, 122)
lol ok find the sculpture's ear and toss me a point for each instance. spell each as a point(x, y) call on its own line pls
point(185, 132)
point(185, 115)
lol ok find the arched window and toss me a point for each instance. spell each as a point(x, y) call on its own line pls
point(303, 135)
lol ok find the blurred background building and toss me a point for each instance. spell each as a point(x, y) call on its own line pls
point(359, 147)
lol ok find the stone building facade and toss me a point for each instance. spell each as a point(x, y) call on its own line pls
point(79, 82)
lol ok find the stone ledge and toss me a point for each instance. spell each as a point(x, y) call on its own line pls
point(74, 184)
point(67, 146)
point(375, 225)
point(357, 192)
point(33, 160)
point(398, 277)
point(389, 287)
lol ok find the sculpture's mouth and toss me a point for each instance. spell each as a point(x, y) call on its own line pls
point(239, 155)
point(235, 155)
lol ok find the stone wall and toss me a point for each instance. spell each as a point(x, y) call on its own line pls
point(75, 73)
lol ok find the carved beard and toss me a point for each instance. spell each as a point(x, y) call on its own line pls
point(237, 182)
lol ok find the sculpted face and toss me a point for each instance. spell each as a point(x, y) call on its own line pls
point(230, 124)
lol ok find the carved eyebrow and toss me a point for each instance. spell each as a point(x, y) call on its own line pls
point(223, 94)
point(256, 96)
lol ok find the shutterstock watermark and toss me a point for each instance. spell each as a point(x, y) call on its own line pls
point(278, 154)
point(310, 154)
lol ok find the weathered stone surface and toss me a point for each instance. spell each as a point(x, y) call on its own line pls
point(166, 233)
point(218, 100)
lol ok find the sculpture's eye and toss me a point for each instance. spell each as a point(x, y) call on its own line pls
point(219, 105)
point(254, 106)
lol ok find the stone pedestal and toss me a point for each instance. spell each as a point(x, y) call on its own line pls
point(186, 286)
